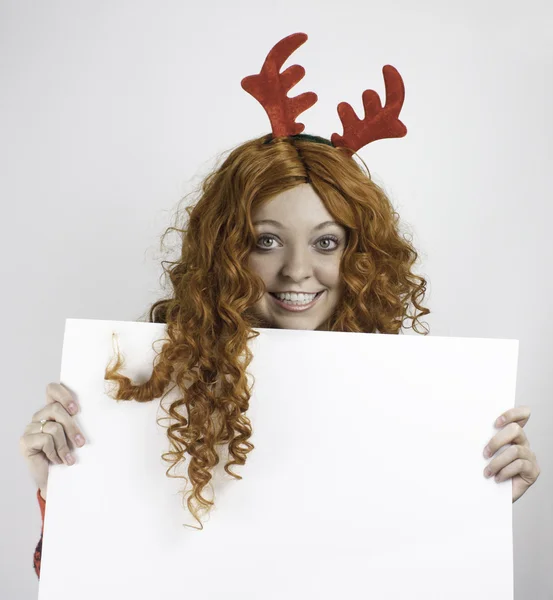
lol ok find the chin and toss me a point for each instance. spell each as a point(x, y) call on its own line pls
point(304, 324)
point(299, 327)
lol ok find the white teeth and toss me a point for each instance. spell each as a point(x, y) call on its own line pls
point(302, 298)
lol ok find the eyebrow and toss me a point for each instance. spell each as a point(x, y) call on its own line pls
point(277, 224)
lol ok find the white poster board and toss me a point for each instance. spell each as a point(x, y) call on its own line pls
point(366, 480)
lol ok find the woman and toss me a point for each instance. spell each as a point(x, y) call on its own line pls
point(289, 232)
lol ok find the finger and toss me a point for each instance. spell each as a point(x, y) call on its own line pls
point(30, 445)
point(510, 434)
point(56, 392)
point(57, 413)
point(55, 430)
point(42, 443)
point(508, 456)
point(519, 414)
point(521, 467)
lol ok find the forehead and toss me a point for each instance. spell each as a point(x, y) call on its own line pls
point(299, 205)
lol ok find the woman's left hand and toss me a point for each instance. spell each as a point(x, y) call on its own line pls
point(517, 460)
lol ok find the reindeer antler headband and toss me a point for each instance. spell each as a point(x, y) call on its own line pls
point(270, 88)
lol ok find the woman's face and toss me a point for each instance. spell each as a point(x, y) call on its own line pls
point(298, 251)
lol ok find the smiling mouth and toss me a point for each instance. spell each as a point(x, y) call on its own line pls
point(296, 306)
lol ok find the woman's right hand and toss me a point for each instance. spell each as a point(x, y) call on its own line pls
point(60, 435)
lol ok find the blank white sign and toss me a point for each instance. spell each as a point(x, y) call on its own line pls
point(366, 480)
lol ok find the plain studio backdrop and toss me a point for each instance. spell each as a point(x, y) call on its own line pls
point(112, 111)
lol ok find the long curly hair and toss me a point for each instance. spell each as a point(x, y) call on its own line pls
point(208, 312)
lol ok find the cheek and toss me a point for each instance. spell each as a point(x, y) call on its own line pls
point(330, 273)
point(261, 267)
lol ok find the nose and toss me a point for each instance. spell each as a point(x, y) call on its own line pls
point(297, 264)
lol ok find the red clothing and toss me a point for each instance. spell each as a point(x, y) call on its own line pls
point(38, 552)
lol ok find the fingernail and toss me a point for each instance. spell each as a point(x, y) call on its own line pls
point(69, 459)
point(487, 452)
point(487, 472)
point(72, 408)
point(500, 421)
point(79, 439)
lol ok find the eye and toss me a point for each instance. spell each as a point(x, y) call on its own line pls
point(330, 238)
point(265, 237)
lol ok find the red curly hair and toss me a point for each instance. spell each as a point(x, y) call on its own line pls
point(208, 314)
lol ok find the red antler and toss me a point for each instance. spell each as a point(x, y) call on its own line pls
point(270, 88)
point(379, 123)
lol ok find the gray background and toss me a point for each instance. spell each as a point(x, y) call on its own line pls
point(112, 111)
